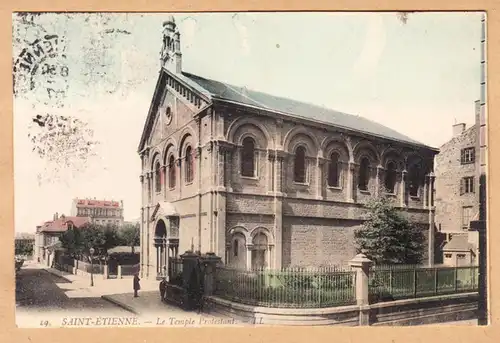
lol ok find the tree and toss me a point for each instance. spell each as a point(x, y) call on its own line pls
point(23, 248)
point(72, 241)
point(78, 241)
point(129, 236)
point(387, 237)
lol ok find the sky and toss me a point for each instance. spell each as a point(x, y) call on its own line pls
point(418, 78)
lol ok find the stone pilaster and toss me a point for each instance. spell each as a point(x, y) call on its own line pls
point(320, 178)
point(402, 189)
point(378, 172)
point(179, 177)
point(270, 177)
point(352, 187)
point(164, 181)
point(431, 234)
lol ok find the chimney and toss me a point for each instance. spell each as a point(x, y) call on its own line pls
point(56, 216)
point(458, 129)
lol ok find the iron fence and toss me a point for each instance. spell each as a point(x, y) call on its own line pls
point(175, 271)
point(403, 282)
point(287, 288)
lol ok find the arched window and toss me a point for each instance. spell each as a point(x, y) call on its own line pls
point(364, 174)
point(236, 247)
point(299, 172)
point(248, 158)
point(237, 254)
point(189, 165)
point(390, 177)
point(414, 180)
point(157, 177)
point(334, 170)
point(171, 172)
point(260, 246)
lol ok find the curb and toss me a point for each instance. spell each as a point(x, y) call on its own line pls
point(57, 274)
point(120, 304)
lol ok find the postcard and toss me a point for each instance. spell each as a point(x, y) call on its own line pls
point(250, 169)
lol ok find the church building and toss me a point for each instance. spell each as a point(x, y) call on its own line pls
point(265, 181)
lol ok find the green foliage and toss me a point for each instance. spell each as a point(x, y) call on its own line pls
point(387, 237)
point(72, 241)
point(23, 248)
point(129, 236)
point(78, 241)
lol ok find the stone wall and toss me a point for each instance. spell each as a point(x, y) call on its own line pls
point(431, 310)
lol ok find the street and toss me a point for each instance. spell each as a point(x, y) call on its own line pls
point(44, 296)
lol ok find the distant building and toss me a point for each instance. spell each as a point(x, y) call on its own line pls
point(100, 211)
point(23, 239)
point(457, 169)
point(47, 235)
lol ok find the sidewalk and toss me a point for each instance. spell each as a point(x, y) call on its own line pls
point(101, 286)
point(153, 311)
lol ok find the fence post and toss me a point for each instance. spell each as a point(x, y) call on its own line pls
point(361, 264)
point(209, 261)
point(415, 282)
point(119, 272)
point(105, 272)
point(436, 280)
point(456, 279)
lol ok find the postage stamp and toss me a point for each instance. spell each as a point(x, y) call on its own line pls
point(250, 169)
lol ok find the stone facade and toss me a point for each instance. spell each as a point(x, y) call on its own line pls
point(457, 203)
point(458, 168)
point(255, 186)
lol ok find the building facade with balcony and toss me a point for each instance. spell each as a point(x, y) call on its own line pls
point(101, 212)
point(264, 181)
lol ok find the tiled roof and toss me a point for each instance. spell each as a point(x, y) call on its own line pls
point(61, 224)
point(96, 203)
point(458, 242)
point(265, 101)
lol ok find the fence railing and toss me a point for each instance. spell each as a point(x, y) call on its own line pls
point(175, 271)
point(128, 270)
point(287, 288)
point(87, 267)
point(403, 282)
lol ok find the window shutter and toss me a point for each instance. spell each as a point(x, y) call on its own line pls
point(462, 186)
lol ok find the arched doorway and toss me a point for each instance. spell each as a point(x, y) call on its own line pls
point(160, 242)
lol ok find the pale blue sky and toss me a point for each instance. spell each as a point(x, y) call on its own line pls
point(418, 78)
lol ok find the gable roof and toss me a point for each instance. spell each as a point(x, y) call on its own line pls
point(211, 90)
point(458, 242)
point(60, 225)
point(224, 91)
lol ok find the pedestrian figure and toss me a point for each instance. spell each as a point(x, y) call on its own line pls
point(137, 285)
point(163, 288)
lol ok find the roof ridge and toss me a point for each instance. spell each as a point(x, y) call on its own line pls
point(232, 86)
point(301, 109)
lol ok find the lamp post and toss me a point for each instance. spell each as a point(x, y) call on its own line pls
point(91, 267)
